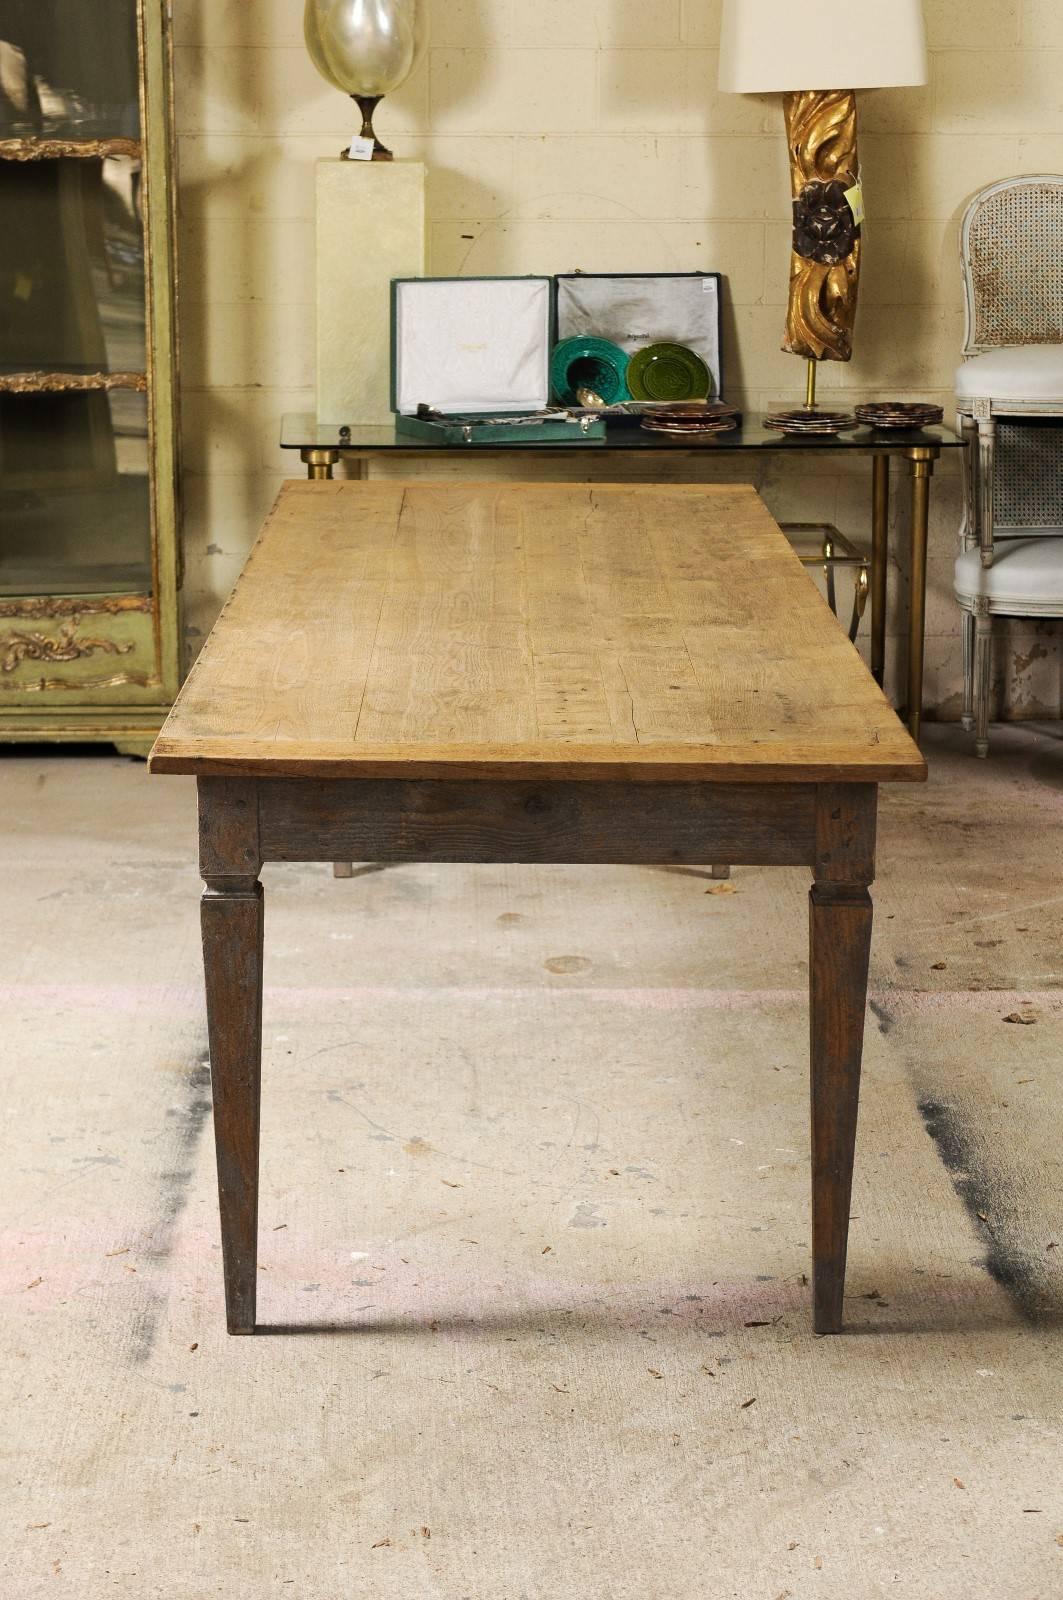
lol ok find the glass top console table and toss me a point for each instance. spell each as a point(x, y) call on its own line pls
point(320, 446)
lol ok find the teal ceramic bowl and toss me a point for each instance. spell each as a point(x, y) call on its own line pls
point(589, 363)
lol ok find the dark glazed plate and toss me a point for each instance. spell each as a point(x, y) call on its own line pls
point(668, 372)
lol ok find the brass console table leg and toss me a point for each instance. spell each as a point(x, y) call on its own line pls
point(319, 462)
point(880, 549)
point(921, 460)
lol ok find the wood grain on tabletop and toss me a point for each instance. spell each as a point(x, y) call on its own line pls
point(468, 630)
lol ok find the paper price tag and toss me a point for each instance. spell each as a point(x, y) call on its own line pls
point(361, 149)
point(855, 197)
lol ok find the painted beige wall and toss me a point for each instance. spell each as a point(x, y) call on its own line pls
point(566, 134)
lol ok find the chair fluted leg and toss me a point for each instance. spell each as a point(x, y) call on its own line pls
point(967, 623)
point(983, 666)
point(987, 439)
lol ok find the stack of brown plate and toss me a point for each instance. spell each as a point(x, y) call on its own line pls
point(810, 420)
point(890, 414)
point(692, 419)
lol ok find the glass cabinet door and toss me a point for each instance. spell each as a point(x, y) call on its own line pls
point(75, 505)
point(69, 69)
point(88, 544)
point(75, 500)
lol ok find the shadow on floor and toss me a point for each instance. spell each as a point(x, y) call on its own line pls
point(905, 1306)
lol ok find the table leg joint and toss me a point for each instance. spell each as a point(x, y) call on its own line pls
point(228, 888)
point(841, 894)
point(846, 828)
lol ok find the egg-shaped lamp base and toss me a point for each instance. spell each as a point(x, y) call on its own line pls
point(367, 105)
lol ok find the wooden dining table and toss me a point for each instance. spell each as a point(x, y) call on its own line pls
point(541, 673)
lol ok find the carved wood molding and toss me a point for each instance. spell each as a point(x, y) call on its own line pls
point(37, 149)
point(119, 680)
point(29, 645)
point(70, 382)
point(67, 606)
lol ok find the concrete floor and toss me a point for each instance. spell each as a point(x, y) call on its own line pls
point(534, 1221)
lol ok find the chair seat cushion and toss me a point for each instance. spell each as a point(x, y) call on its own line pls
point(1026, 576)
point(1016, 372)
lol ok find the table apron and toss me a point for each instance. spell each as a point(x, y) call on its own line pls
point(770, 824)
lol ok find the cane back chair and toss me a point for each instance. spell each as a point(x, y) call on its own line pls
point(1009, 396)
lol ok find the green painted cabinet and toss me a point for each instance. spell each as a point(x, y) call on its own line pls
point(89, 547)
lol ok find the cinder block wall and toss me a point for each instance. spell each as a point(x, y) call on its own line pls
point(589, 134)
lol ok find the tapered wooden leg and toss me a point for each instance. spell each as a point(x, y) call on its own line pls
point(343, 869)
point(721, 873)
point(840, 943)
point(230, 859)
point(232, 957)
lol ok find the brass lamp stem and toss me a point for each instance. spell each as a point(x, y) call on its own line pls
point(810, 392)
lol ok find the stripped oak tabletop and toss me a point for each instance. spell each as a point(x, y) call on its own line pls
point(433, 630)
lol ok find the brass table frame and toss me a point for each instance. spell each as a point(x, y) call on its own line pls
point(835, 550)
point(920, 459)
point(320, 460)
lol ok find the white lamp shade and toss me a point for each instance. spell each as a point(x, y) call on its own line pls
point(787, 45)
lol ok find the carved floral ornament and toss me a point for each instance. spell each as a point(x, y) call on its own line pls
point(825, 229)
point(29, 645)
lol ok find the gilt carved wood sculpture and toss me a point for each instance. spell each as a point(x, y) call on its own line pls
point(825, 268)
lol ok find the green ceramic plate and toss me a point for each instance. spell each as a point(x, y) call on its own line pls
point(588, 363)
point(668, 372)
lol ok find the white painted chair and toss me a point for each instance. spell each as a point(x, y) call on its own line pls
point(1009, 399)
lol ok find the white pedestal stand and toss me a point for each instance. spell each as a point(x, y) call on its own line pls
point(370, 229)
